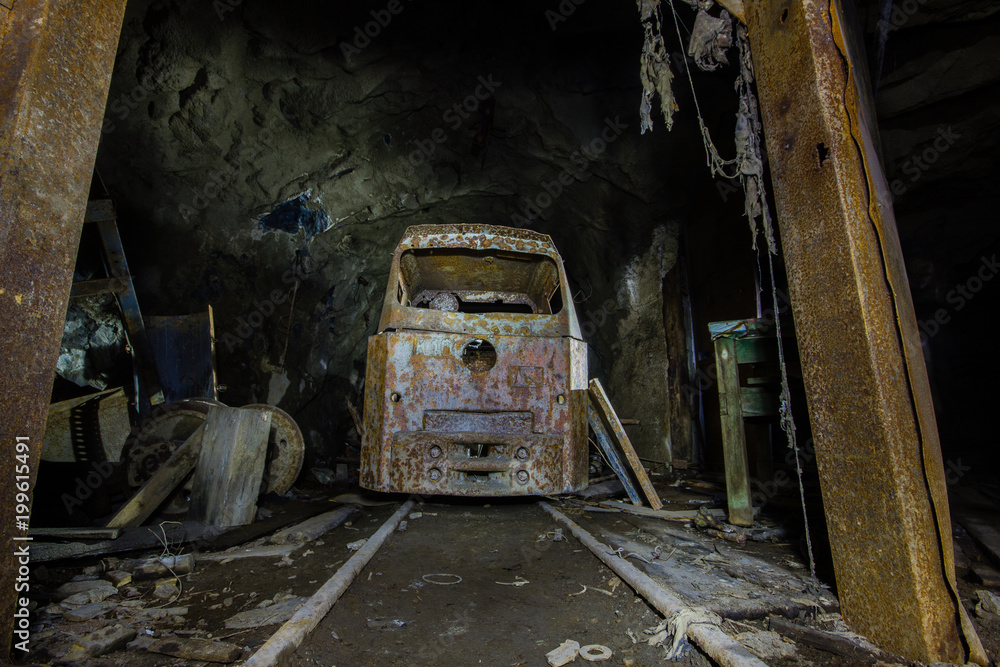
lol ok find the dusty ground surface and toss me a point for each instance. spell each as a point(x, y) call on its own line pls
point(520, 594)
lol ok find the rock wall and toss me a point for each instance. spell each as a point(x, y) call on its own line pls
point(266, 157)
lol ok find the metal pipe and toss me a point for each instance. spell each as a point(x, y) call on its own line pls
point(717, 644)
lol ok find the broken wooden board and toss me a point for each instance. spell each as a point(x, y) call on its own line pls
point(824, 641)
point(611, 454)
point(230, 469)
point(669, 515)
point(76, 533)
point(729, 581)
point(163, 482)
point(265, 551)
point(603, 407)
point(133, 539)
point(193, 648)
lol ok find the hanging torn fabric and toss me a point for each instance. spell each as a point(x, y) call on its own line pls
point(654, 68)
point(710, 37)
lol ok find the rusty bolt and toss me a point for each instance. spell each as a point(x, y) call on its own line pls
point(395, 397)
point(561, 399)
point(434, 474)
point(522, 453)
point(435, 452)
point(522, 476)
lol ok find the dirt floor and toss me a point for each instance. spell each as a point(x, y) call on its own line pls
point(471, 582)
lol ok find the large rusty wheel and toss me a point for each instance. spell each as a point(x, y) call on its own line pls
point(286, 449)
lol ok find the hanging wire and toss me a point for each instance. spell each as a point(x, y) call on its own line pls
point(749, 171)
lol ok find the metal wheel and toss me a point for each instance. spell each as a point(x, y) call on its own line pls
point(286, 449)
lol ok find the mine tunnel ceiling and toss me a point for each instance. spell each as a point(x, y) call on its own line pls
point(251, 146)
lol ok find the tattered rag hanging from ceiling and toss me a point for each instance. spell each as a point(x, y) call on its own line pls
point(654, 68)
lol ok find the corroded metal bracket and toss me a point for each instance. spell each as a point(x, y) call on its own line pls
point(876, 437)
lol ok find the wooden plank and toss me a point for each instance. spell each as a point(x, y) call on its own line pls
point(824, 641)
point(734, 443)
point(669, 515)
point(230, 468)
point(603, 406)
point(604, 442)
point(134, 539)
point(77, 533)
point(96, 286)
point(265, 551)
point(163, 482)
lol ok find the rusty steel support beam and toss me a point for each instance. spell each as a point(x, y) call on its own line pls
point(57, 62)
point(876, 437)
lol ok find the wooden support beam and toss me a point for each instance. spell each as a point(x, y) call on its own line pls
point(230, 467)
point(871, 415)
point(163, 482)
point(57, 62)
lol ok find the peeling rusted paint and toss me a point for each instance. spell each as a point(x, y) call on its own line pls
point(57, 62)
point(475, 404)
point(876, 441)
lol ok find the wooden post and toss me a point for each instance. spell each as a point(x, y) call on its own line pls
point(57, 60)
point(231, 466)
point(734, 443)
point(870, 409)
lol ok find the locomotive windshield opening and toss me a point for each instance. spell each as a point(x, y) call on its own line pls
point(479, 281)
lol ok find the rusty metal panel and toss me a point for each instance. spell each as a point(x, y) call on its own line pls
point(57, 62)
point(421, 382)
point(876, 440)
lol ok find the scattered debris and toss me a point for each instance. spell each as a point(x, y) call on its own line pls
point(193, 648)
point(595, 653)
point(457, 578)
point(518, 581)
point(270, 615)
point(97, 643)
point(323, 475)
point(564, 654)
point(354, 546)
point(766, 645)
point(168, 590)
point(591, 588)
point(88, 611)
point(988, 601)
point(825, 641)
point(403, 525)
point(75, 587)
point(710, 37)
point(267, 551)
